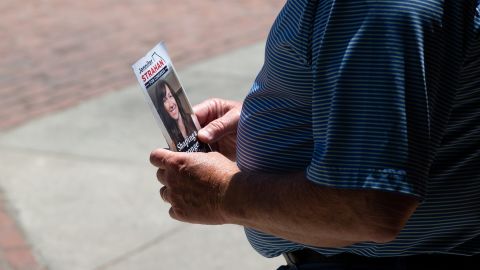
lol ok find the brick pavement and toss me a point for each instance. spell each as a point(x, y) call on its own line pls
point(15, 251)
point(55, 54)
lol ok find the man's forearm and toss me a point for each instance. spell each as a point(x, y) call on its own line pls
point(291, 207)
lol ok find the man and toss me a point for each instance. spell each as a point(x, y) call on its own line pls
point(357, 146)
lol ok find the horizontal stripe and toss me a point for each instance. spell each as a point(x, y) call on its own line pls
point(378, 95)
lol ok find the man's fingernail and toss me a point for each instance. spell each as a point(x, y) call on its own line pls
point(205, 134)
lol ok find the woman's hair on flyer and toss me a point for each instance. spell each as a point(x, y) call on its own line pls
point(161, 90)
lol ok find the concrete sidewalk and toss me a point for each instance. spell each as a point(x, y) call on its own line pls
point(82, 190)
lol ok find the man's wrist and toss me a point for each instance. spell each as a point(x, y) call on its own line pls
point(234, 199)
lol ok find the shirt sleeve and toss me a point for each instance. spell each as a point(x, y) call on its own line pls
point(371, 99)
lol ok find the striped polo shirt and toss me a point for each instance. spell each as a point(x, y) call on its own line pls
point(381, 95)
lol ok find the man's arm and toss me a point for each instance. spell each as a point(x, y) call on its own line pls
point(208, 188)
point(294, 208)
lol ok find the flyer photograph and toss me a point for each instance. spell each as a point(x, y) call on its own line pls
point(168, 101)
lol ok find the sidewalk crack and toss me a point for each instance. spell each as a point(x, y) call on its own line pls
point(139, 249)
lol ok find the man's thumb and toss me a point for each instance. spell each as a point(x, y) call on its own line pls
point(214, 131)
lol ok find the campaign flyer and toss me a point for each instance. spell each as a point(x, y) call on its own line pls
point(168, 101)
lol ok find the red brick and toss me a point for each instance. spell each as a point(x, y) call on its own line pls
point(15, 253)
point(10, 237)
point(5, 220)
point(70, 42)
point(21, 259)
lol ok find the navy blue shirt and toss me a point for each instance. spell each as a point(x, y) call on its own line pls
point(381, 95)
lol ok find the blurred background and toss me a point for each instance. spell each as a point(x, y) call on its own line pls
point(76, 188)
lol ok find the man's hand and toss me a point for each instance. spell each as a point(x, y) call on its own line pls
point(194, 184)
point(208, 188)
point(219, 119)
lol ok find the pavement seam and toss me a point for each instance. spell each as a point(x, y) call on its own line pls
point(78, 157)
point(141, 248)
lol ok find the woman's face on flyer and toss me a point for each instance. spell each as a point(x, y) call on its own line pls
point(170, 104)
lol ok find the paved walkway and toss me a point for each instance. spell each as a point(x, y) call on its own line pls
point(70, 197)
point(80, 185)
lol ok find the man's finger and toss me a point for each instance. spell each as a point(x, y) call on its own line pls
point(159, 156)
point(163, 194)
point(177, 214)
point(204, 111)
point(220, 127)
point(161, 177)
